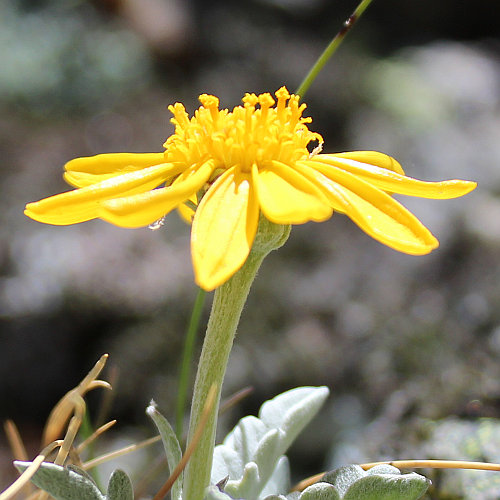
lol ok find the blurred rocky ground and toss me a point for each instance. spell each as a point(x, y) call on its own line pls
point(396, 338)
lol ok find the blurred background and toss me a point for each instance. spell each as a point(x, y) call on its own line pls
point(406, 344)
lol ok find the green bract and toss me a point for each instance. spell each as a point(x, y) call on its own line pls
point(171, 445)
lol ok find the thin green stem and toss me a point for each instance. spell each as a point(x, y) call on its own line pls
point(332, 47)
point(227, 306)
point(187, 357)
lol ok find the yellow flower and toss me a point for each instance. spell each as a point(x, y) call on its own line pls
point(223, 168)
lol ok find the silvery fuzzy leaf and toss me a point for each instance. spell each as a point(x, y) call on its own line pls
point(294, 495)
point(320, 491)
point(343, 477)
point(250, 453)
point(120, 487)
point(80, 471)
point(214, 493)
point(383, 469)
point(268, 453)
point(382, 482)
point(292, 410)
point(279, 480)
point(226, 463)
point(388, 487)
point(248, 486)
point(171, 444)
point(244, 438)
point(63, 483)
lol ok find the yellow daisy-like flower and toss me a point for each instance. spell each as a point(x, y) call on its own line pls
point(223, 168)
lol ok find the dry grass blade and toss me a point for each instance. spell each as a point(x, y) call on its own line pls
point(94, 436)
point(118, 453)
point(234, 399)
point(435, 464)
point(65, 407)
point(15, 442)
point(112, 375)
point(18, 449)
point(71, 432)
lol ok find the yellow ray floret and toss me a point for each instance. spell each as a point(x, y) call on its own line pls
point(221, 169)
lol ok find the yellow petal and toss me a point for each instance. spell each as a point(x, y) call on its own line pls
point(82, 204)
point(186, 212)
point(388, 180)
point(147, 207)
point(82, 179)
point(224, 228)
point(88, 170)
point(110, 163)
point(373, 158)
point(377, 213)
point(287, 197)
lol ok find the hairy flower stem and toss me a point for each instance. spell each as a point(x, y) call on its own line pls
point(227, 305)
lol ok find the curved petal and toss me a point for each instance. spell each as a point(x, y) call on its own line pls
point(224, 228)
point(87, 170)
point(145, 208)
point(186, 212)
point(387, 180)
point(376, 213)
point(83, 179)
point(372, 158)
point(82, 204)
point(287, 197)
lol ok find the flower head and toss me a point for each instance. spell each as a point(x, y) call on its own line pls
point(223, 168)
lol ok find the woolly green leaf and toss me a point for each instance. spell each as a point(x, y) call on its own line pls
point(248, 486)
point(280, 478)
point(80, 471)
point(320, 491)
point(244, 440)
point(251, 455)
point(226, 463)
point(120, 487)
point(343, 477)
point(388, 487)
point(171, 445)
point(63, 483)
point(214, 493)
point(292, 411)
point(382, 482)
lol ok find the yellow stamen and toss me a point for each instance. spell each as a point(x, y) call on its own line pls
point(245, 136)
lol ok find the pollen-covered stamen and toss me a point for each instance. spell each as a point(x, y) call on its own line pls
point(181, 118)
point(265, 101)
point(249, 102)
point(212, 103)
point(283, 95)
point(259, 132)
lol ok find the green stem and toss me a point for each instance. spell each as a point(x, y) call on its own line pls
point(187, 357)
point(332, 47)
point(228, 303)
